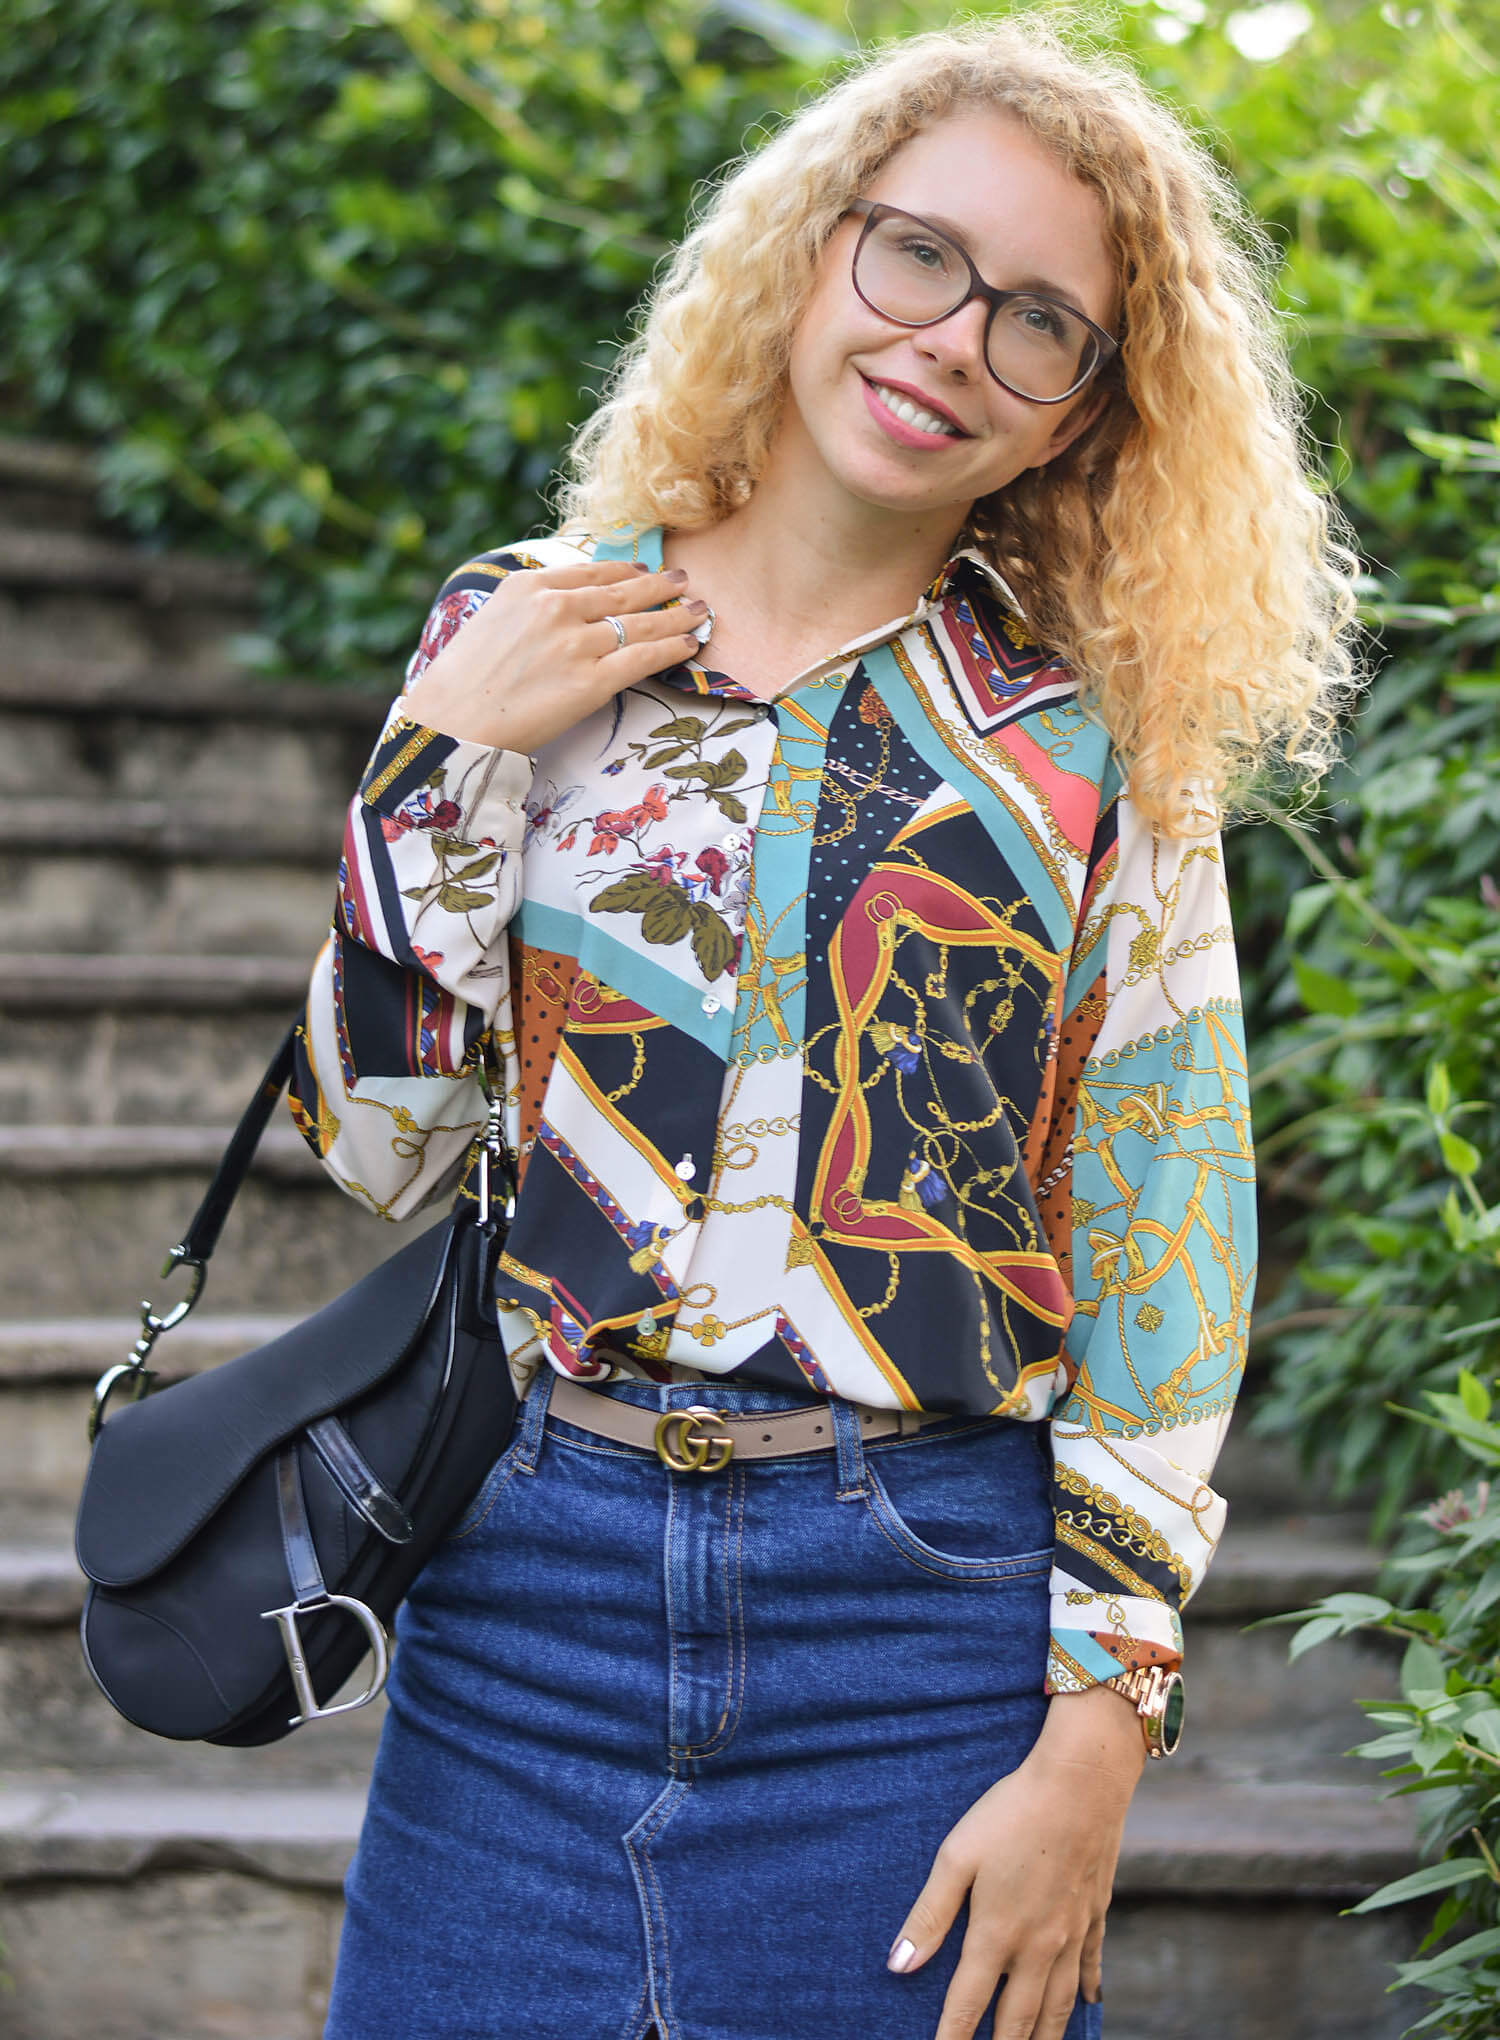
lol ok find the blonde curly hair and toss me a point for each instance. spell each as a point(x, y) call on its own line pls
point(1179, 554)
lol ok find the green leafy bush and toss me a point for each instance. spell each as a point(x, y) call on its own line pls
point(331, 284)
point(1371, 929)
point(1441, 1738)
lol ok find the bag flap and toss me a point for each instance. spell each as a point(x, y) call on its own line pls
point(162, 1466)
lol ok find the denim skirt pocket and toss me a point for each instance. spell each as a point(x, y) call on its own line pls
point(483, 1508)
point(967, 1504)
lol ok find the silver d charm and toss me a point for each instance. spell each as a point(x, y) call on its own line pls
point(291, 1643)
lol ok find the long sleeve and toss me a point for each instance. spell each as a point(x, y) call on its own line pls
point(1163, 1249)
point(414, 974)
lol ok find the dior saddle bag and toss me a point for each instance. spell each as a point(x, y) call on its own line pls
point(248, 1532)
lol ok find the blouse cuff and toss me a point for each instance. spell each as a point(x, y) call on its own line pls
point(420, 779)
point(1095, 1636)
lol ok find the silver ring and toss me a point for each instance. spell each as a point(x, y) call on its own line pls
point(619, 628)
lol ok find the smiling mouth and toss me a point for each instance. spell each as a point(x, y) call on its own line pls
point(910, 413)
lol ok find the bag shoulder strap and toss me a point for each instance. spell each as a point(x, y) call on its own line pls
point(207, 1222)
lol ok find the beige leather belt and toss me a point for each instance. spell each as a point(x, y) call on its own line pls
point(698, 1439)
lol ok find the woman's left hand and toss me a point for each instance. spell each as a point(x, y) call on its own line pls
point(1036, 1857)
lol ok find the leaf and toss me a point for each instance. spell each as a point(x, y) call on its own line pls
point(662, 757)
point(1432, 1877)
point(1304, 908)
point(459, 899)
point(684, 729)
point(1383, 1746)
point(700, 770)
point(414, 892)
point(480, 866)
point(1321, 992)
point(629, 895)
point(713, 945)
point(668, 917)
point(1356, 1607)
point(741, 722)
point(1461, 1155)
point(1473, 1394)
point(1462, 1952)
point(1483, 1727)
point(1439, 1090)
point(1421, 1671)
point(729, 768)
point(1319, 1630)
point(730, 805)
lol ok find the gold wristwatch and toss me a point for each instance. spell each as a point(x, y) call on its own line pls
point(1158, 1698)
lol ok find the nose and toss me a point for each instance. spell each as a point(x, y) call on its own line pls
point(956, 344)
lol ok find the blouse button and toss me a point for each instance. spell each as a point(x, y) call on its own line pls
point(710, 1004)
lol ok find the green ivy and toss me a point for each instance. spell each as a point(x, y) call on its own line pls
point(332, 284)
point(1439, 1739)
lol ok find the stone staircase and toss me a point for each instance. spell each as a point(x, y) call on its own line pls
point(168, 834)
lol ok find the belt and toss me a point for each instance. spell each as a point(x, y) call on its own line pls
point(702, 1440)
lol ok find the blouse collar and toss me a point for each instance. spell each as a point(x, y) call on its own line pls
point(646, 547)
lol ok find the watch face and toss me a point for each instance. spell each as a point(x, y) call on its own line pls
point(1173, 1708)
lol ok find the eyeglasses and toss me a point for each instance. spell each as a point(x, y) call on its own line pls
point(913, 274)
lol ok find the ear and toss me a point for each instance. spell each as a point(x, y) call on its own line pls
point(1073, 425)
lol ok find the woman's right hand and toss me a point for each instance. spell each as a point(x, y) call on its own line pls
point(539, 657)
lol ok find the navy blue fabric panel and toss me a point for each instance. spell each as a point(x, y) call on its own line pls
point(873, 783)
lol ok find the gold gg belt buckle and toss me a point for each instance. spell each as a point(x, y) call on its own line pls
point(692, 1440)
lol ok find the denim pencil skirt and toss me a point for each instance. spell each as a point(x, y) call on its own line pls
point(680, 1747)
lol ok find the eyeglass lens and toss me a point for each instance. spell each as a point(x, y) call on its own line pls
point(909, 273)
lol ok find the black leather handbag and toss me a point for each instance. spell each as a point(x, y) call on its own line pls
point(249, 1532)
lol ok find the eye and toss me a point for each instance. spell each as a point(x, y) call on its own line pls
point(1038, 319)
point(1044, 320)
point(919, 251)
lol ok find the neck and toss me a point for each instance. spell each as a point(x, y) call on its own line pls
point(814, 565)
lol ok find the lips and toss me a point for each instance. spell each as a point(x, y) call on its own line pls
point(886, 389)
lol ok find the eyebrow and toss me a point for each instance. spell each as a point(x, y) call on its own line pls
point(1046, 285)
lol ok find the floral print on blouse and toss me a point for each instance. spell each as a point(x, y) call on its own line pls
point(861, 1042)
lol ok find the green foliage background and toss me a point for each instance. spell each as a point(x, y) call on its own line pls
point(331, 283)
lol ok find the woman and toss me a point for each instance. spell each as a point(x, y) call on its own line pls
point(819, 833)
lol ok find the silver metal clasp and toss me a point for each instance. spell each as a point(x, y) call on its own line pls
point(296, 1657)
point(135, 1369)
point(491, 1157)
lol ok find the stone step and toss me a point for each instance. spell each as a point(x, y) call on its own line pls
point(145, 624)
point(1224, 1918)
point(83, 690)
point(107, 900)
point(46, 485)
point(49, 983)
point(84, 560)
point(233, 768)
point(157, 831)
point(61, 1066)
point(84, 1229)
point(121, 1040)
point(93, 1152)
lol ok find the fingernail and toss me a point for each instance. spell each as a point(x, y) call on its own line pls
point(640, 566)
point(901, 1954)
point(676, 573)
point(695, 608)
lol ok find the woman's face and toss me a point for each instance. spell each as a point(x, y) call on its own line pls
point(1027, 224)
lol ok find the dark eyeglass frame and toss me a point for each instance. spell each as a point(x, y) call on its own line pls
point(874, 212)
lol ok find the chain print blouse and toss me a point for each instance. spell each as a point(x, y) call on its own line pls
point(864, 1042)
